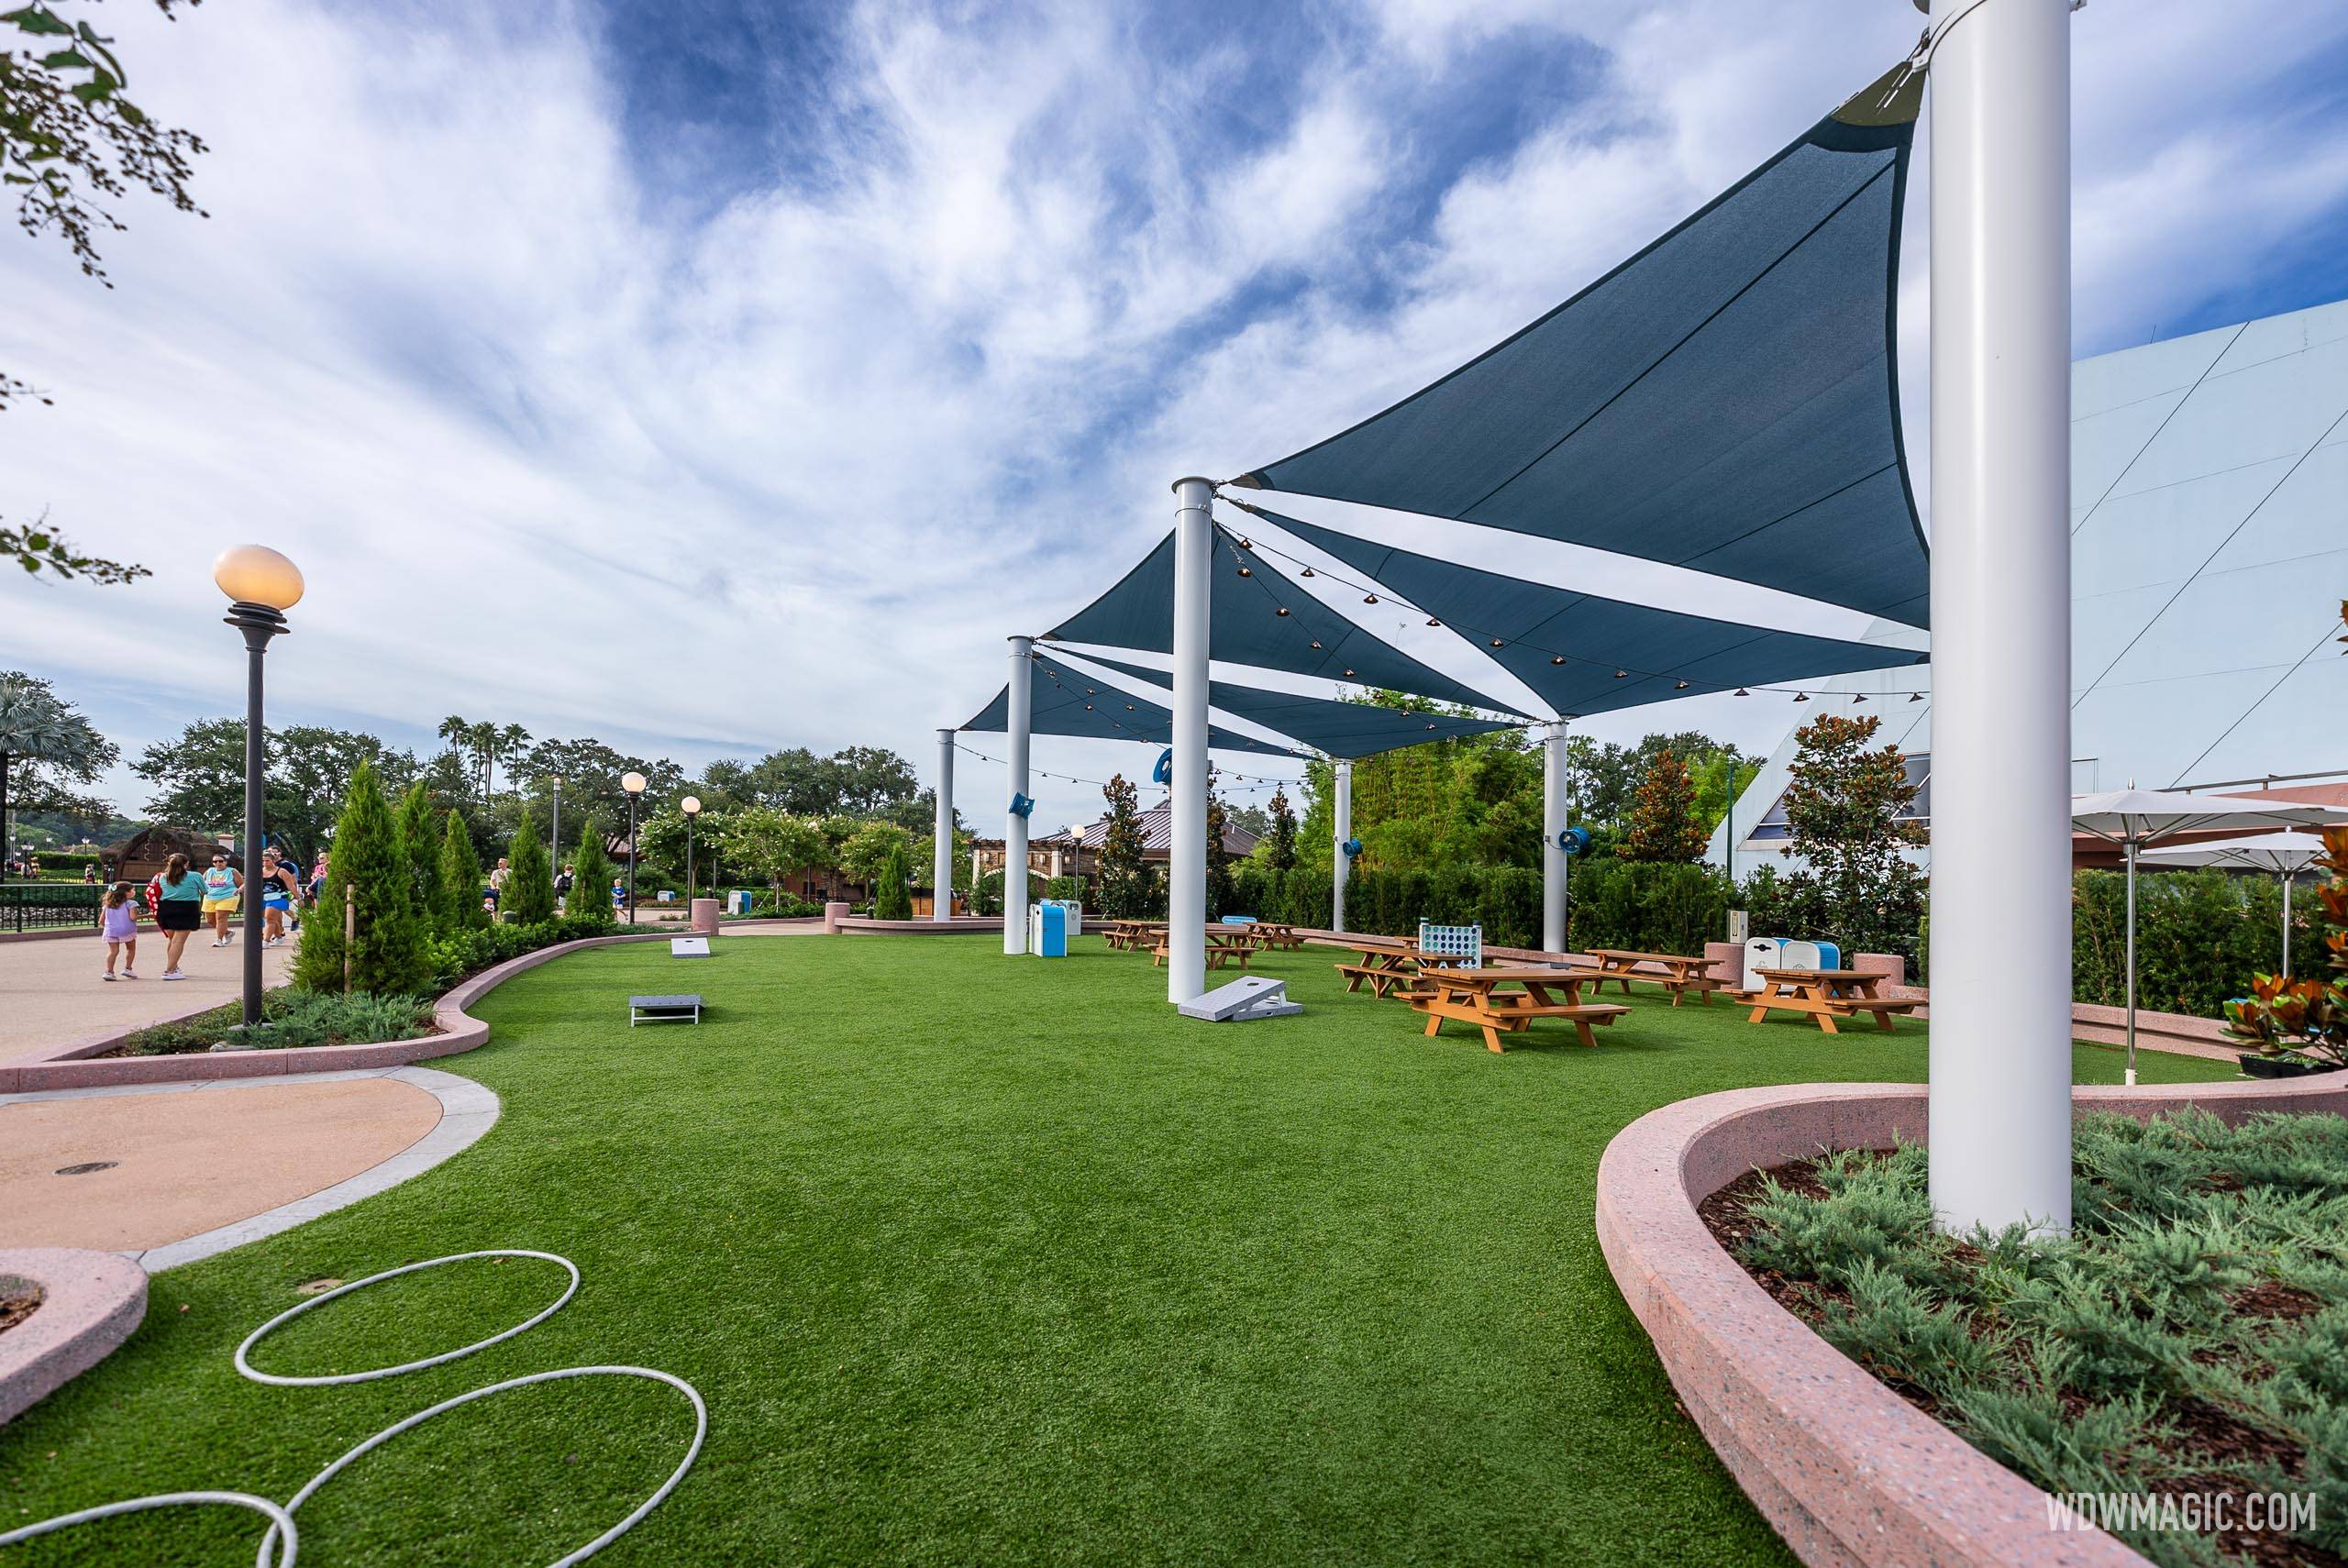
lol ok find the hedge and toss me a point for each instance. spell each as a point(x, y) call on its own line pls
point(1615, 903)
point(2201, 936)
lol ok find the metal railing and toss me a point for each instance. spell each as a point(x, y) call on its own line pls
point(49, 906)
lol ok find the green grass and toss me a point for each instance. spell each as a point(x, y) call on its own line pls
point(976, 1259)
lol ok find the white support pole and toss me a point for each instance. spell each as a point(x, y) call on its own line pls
point(941, 874)
point(1555, 862)
point(1015, 826)
point(2001, 1050)
point(1340, 865)
point(1186, 883)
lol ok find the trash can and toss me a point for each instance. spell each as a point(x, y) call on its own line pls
point(1047, 930)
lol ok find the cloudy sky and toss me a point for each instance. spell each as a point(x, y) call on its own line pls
point(711, 375)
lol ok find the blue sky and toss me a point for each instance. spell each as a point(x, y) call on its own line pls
point(711, 377)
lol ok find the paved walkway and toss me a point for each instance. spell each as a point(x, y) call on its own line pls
point(182, 1159)
point(50, 993)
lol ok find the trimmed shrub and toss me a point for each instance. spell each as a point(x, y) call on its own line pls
point(590, 880)
point(461, 878)
point(420, 841)
point(387, 950)
point(890, 899)
point(530, 892)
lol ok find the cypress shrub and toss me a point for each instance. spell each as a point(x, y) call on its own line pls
point(590, 877)
point(890, 900)
point(420, 842)
point(387, 952)
point(461, 878)
point(530, 892)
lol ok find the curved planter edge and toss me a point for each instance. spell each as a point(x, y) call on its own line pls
point(1847, 1472)
point(91, 1301)
point(458, 1031)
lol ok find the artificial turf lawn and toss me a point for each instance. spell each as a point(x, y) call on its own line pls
point(975, 1260)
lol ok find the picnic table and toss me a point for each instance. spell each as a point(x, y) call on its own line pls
point(1827, 995)
point(1672, 971)
point(1277, 934)
point(1225, 944)
point(1132, 935)
point(1383, 962)
point(1474, 996)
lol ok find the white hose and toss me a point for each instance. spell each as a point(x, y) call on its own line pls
point(701, 1430)
point(279, 1518)
point(296, 1310)
point(282, 1538)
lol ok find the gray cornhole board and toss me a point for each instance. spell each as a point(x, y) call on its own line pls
point(663, 1010)
point(689, 947)
point(1243, 1000)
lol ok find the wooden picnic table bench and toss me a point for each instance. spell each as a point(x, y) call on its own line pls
point(1278, 934)
point(1674, 972)
point(1827, 995)
point(1132, 935)
point(1383, 962)
point(1225, 944)
point(1474, 996)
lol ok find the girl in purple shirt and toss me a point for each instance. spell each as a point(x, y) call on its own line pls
point(119, 925)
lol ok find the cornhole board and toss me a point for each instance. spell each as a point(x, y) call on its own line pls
point(689, 947)
point(1242, 1001)
point(663, 1010)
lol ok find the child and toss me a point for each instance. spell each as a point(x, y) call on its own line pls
point(119, 925)
point(619, 896)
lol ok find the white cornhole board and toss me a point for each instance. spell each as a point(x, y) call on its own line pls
point(1254, 996)
point(689, 947)
point(663, 1010)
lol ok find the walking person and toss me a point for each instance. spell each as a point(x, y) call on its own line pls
point(562, 891)
point(277, 891)
point(179, 910)
point(223, 892)
point(119, 925)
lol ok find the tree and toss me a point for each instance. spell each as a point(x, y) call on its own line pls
point(591, 876)
point(1662, 819)
point(1721, 777)
point(420, 841)
point(386, 953)
point(1280, 854)
point(774, 844)
point(530, 892)
point(53, 745)
point(1219, 891)
point(199, 775)
point(1844, 805)
point(890, 900)
point(864, 857)
point(69, 143)
point(1124, 875)
point(461, 878)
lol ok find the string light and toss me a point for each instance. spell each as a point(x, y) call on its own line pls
point(1497, 644)
point(1621, 674)
point(1281, 611)
point(1858, 698)
point(1369, 599)
point(1433, 622)
point(1801, 696)
point(1246, 571)
point(1680, 686)
point(1556, 658)
point(1741, 691)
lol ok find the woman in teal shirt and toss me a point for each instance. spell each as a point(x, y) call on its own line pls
point(179, 910)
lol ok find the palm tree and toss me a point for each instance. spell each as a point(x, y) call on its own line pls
point(516, 742)
point(458, 730)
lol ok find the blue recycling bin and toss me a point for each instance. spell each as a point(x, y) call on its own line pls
point(1047, 929)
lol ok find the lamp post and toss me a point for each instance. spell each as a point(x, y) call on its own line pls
point(633, 784)
point(691, 805)
point(261, 585)
point(554, 833)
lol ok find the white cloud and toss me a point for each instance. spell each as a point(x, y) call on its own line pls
point(786, 472)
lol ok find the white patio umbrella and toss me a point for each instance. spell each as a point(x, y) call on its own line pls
point(2134, 819)
point(2287, 854)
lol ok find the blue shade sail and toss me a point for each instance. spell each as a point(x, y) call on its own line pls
point(1246, 626)
point(1727, 400)
point(1069, 703)
point(1332, 727)
point(1569, 646)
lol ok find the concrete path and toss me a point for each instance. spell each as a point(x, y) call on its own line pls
point(181, 1163)
point(51, 993)
point(195, 1169)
